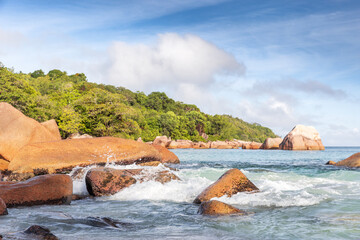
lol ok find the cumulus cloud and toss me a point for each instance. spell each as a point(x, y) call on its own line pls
point(173, 62)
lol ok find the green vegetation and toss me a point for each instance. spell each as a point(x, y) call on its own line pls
point(104, 110)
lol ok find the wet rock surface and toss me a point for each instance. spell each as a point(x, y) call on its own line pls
point(215, 207)
point(352, 161)
point(230, 183)
point(108, 181)
point(39, 232)
point(47, 189)
point(3, 209)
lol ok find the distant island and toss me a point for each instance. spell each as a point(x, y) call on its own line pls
point(79, 106)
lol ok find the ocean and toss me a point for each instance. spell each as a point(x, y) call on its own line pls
point(300, 198)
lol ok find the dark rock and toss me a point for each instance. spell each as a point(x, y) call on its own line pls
point(3, 209)
point(107, 181)
point(330, 163)
point(39, 232)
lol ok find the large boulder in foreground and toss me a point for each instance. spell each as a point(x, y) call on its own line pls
point(18, 130)
point(215, 207)
point(108, 181)
point(230, 183)
point(251, 145)
point(302, 138)
point(271, 143)
point(352, 161)
point(60, 156)
point(45, 189)
point(3, 209)
point(166, 155)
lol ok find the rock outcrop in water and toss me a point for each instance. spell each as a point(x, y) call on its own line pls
point(271, 143)
point(108, 181)
point(40, 233)
point(18, 130)
point(251, 145)
point(302, 138)
point(215, 207)
point(352, 161)
point(330, 163)
point(47, 189)
point(3, 209)
point(230, 183)
point(59, 156)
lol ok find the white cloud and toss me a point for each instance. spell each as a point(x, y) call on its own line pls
point(171, 62)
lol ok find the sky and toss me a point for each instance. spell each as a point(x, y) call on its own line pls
point(278, 63)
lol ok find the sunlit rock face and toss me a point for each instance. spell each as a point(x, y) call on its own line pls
point(302, 138)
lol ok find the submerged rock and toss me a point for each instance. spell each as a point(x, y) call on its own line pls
point(215, 207)
point(271, 143)
point(18, 130)
point(352, 161)
point(39, 232)
point(302, 138)
point(62, 156)
point(3, 209)
point(47, 189)
point(166, 155)
point(231, 182)
point(108, 181)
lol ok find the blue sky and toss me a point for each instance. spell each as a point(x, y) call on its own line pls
point(278, 63)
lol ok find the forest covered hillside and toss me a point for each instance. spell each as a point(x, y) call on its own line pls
point(105, 110)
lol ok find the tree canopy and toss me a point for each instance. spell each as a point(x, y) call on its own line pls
point(105, 110)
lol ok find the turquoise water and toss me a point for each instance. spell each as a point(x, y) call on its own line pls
point(300, 198)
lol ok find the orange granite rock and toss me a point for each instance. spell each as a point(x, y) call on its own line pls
point(58, 156)
point(18, 130)
point(352, 161)
point(302, 138)
point(230, 183)
point(215, 207)
point(45, 189)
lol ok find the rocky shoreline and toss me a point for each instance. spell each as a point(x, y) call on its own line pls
point(35, 164)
